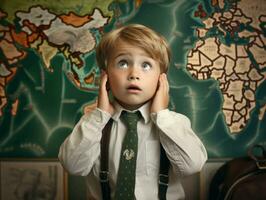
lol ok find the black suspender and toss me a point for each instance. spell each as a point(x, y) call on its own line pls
point(104, 173)
point(163, 175)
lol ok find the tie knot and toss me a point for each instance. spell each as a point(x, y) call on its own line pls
point(130, 119)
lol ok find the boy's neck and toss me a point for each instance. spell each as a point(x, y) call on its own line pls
point(130, 107)
point(144, 110)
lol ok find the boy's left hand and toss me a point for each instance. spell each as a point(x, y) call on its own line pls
point(161, 98)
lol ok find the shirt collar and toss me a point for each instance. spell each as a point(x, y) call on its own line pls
point(144, 110)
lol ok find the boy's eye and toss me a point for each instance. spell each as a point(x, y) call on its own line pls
point(146, 66)
point(122, 64)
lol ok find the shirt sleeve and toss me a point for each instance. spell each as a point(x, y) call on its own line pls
point(81, 148)
point(184, 149)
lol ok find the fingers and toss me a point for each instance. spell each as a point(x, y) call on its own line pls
point(165, 89)
point(103, 98)
point(161, 98)
point(103, 93)
point(103, 80)
point(163, 83)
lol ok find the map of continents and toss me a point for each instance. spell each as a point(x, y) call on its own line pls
point(46, 45)
point(230, 49)
point(234, 56)
point(48, 74)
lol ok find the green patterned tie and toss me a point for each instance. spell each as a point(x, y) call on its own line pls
point(125, 186)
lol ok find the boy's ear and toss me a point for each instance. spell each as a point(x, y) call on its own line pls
point(107, 86)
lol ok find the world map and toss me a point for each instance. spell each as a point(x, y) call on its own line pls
point(237, 61)
point(49, 77)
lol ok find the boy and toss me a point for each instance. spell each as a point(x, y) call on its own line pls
point(134, 60)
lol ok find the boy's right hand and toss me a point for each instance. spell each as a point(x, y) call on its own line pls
point(103, 99)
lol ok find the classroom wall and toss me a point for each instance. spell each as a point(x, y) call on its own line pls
point(49, 77)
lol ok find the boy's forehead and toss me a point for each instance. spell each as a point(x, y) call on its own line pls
point(121, 44)
point(126, 48)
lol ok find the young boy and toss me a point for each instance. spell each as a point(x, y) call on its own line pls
point(134, 60)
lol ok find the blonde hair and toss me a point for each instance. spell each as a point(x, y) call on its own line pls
point(152, 43)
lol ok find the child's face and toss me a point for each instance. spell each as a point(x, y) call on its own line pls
point(132, 74)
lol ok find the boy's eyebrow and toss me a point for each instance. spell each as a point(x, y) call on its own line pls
point(127, 54)
point(122, 54)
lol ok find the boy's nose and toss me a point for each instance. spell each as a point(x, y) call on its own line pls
point(131, 78)
point(133, 74)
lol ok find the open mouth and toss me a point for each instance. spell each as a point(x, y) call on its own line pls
point(133, 88)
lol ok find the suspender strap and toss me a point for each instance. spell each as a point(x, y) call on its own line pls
point(163, 175)
point(104, 173)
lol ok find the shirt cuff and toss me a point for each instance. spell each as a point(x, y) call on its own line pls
point(161, 114)
point(98, 116)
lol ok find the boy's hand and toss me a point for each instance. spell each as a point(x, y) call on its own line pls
point(161, 97)
point(103, 99)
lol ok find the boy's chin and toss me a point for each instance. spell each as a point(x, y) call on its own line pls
point(131, 106)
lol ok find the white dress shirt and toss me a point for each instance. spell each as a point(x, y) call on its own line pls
point(80, 152)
